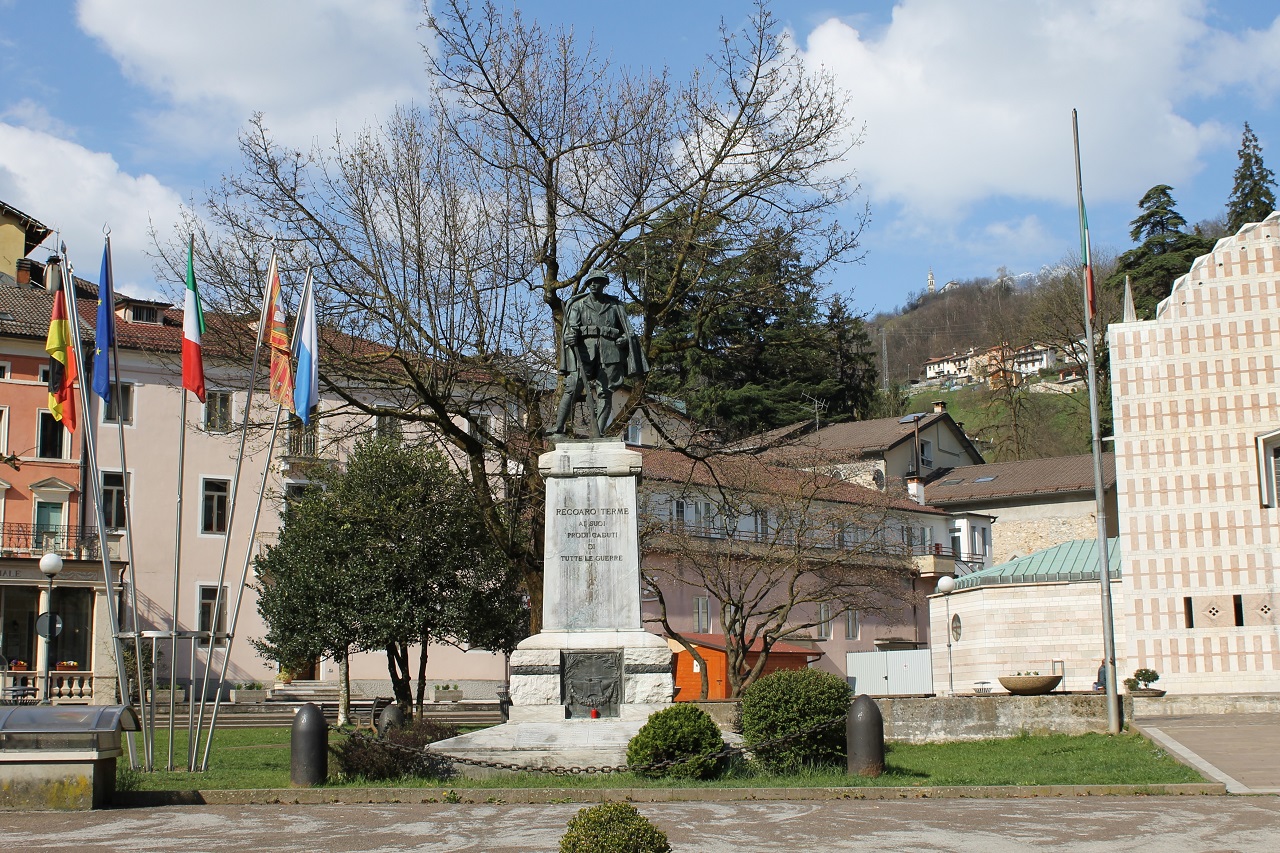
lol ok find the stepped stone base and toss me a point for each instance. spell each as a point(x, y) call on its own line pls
point(564, 743)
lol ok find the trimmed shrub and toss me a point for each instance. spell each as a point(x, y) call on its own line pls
point(791, 700)
point(364, 756)
point(613, 828)
point(677, 732)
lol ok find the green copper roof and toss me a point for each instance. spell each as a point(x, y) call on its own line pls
point(1071, 561)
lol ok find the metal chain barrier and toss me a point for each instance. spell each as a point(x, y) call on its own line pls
point(725, 752)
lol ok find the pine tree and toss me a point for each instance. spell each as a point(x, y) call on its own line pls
point(1159, 216)
point(1164, 252)
point(1253, 193)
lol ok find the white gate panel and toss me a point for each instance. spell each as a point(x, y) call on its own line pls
point(906, 672)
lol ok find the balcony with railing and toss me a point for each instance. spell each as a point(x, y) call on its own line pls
point(34, 540)
point(935, 560)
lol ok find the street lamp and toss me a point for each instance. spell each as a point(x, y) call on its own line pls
point(50, 564)
point(946, 586)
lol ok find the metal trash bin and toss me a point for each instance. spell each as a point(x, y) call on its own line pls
point(61, 756)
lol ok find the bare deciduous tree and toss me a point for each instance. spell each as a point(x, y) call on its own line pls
point(770, 545)
point(446, 240)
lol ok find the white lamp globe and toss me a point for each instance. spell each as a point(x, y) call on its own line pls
point(50, 564)
point(947, 585)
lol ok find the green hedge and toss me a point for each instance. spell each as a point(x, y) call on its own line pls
point(791, 700)
point(613, 828)
point(677, 732)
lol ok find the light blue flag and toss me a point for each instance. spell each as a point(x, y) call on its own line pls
point(306, 389)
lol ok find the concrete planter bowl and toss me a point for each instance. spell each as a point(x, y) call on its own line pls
point(1029, 685)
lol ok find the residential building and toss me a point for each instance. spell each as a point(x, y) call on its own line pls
point(1196, 403)
point(951, 366)
point(881, 453)
point(1035, 503)
point(1031, 359)
point(720, 522)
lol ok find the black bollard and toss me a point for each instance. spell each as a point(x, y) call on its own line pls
point(392, 717)
point(864, 732)
point(308, 748)
point(504, 703)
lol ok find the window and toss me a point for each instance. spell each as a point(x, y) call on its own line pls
point(213, 506)
point(113, 499)
point(701, 615)
point(217, 411)
point(386, 426)
point(145, 314)
point(483, 426)
point(852, 630)
point(635, 431)
point(926, 453)
point(1269, 469)
point(1188, 612)
point(824, 621)
point(52, 442)
point(294, 492)
point(209, 597)
point(4, 370)
point(304, 439)
point(121, 402)
point(760, 523)
point(1237, 602)
point(44, 374)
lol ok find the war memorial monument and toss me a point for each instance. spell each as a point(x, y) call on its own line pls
point(583, 686)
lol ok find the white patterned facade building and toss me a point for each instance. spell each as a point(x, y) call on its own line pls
point(1196, 395)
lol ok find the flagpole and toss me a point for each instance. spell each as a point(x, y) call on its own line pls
point(304, 339)
point(130, 565)
point(272, 271)
point(1099, 489)
point(244, 576)
point(113, 615)
point(177, 573)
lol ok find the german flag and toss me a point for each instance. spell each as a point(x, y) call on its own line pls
point(62, 354)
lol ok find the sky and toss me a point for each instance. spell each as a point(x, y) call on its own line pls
point(117, 112)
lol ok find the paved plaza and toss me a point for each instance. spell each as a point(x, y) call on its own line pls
point(1167, 824)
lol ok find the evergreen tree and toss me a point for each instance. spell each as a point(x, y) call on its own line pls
point(1253, 195)
point(1165, 252)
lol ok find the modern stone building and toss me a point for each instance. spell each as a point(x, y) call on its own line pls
point(1196, 399)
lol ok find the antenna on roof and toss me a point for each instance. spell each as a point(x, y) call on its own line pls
point(819, 406)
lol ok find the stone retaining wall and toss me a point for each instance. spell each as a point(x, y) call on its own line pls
point(979, 717)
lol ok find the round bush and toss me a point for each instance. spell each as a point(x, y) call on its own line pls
point(613, 828)
point(791, 700)
point(677, 732)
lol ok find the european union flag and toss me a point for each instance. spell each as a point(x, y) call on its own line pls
point(105, 333)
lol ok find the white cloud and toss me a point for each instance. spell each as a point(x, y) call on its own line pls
point(965, 102)
point(28, 113)
point(309, 65)
point(77, 191)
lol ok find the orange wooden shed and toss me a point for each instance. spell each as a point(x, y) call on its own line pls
point(711, 647)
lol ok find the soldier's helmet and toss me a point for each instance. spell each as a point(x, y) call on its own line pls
point(596, 273)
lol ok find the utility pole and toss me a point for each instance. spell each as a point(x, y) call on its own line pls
point(884, 359)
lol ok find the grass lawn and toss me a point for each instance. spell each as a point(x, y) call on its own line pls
point(259, 758)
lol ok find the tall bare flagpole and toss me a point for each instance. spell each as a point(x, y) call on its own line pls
point(1099, 489)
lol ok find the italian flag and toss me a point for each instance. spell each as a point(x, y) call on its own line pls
point(192, 330)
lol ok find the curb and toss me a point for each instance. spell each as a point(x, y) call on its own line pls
point(534, 796)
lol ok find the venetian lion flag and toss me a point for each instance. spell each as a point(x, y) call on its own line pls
point(62, 353)
point(277, 337)
point(193, 330)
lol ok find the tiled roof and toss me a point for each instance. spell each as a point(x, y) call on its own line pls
point(750, 473)
point(991, 482)
point(840, 442)
point(1072, 561)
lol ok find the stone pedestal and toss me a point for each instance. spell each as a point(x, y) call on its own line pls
point(593, 654)
point(592, 651)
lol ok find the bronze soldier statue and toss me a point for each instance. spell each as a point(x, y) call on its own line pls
point(598, 350)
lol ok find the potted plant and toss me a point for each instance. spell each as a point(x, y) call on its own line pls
point(18, 666)
point(1140, 683)
point(1030, 683)
point(447, 693)
point(248, 691)
point(67, 666)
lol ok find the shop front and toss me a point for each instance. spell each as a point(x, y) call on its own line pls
point(79, 658)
